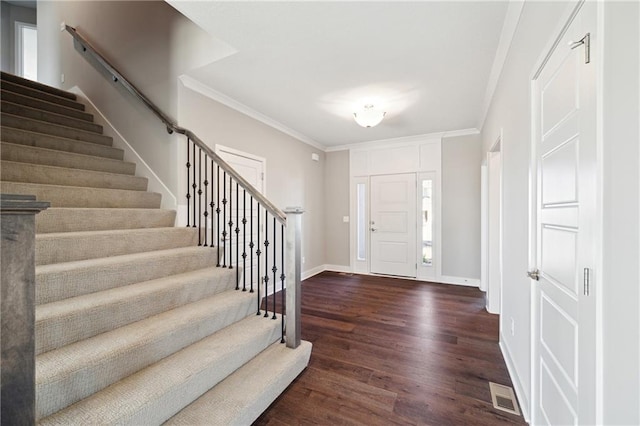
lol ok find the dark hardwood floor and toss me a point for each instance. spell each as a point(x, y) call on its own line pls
point(394, 352)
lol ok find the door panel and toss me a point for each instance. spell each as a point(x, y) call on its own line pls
point(393, 225)
point(563, 310)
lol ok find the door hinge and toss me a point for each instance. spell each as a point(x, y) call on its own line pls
point(586, 40)
point(586, 279)
point(262, 176)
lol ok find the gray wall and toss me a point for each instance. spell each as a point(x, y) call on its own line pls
point(336, 206)
point(9, 14)
point(293, 178)
point(461, 158)
point(148, 42)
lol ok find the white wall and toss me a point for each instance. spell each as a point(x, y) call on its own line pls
point(9, 14)
point(509, 111)
point(620, 186)
point(292, 177)
point(461, 159)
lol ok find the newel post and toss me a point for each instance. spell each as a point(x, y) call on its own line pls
point(17, 305)
point(293, 262)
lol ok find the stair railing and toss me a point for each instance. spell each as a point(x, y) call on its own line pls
point(214, 188)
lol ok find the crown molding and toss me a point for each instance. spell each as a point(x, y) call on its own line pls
point(404, 140)
point(511, 20)
point(201, 88)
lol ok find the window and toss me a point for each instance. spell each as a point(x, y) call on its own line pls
point(427, 222)
point(361, 236)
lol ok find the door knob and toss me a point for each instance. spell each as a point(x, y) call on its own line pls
point(374, 229)
point(534, 275)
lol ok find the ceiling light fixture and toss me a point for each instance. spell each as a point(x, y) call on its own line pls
point(368, 116)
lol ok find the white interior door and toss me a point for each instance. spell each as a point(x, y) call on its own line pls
point(494, 270)
point(564, 301)
point(393, 225)
point(239, 206)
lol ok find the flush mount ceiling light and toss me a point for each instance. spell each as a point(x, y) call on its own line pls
point(368, 116)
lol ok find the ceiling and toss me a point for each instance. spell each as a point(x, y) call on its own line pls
point(307, 66)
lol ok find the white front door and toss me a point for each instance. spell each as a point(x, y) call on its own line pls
point(393, 225)
point(564, 159)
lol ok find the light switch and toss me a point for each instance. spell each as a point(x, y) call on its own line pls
point(345, 219)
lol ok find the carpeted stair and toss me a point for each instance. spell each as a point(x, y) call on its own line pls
point(134, 323)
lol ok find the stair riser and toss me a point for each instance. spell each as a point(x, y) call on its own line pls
point(36, 173)
point(122, 307)
point(26, 91)
point(74, 384)
point(39, 140)
point(68, 196)
point(176, 380)
point(66, 247)
point(76, 220)
point(54, 130)
point(17, 98)
point(22, 111)
point(59, 284)
point(35, 85)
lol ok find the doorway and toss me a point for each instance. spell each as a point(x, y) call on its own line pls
point(26, 48)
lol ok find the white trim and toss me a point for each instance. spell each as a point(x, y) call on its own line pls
point(515, 379)
point(382, 143)
point(337, 268)
point(311, 272)
point(509, 27)
point(201, 88)
point(447, 279)
point(130, 154)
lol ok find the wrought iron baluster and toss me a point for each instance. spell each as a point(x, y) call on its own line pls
point(282, 277)
point(231, 225)
point(224, 219)
point(251, 244)
point(188, 181)
point(206, 207)
point(244, 240)
point(237, 236)
point(266, 263)
point(258, 256)
point(218, 214)
point(199, 196)
point(274, 270)
point(194, 186)
point(212, 204)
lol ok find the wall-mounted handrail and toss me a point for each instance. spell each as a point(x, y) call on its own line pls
point(173, 127)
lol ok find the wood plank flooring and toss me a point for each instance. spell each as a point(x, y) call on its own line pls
point(394, 352)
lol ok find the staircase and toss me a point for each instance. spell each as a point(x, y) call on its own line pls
point(134, 323)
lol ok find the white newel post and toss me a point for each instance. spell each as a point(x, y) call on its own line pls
point(293, 264)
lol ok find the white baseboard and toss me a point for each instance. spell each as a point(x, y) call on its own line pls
point(169, 200)
point(515, 379)
point(469, 282)
point(337, 268)
point(311, 272)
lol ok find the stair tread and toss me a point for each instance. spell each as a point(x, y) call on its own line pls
point(53, 129)
point(182, 374)
point(63, 280)
point(36, 85)
point(37, 139)
point(67, 321)
point(82, 159)
point(44, 105)
point(76, 123)
point(39, 94)
point(72, 219)
point(240, 399)
point(72, 246)
point(47, 173)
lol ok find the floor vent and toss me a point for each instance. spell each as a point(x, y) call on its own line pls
point(503, 398)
